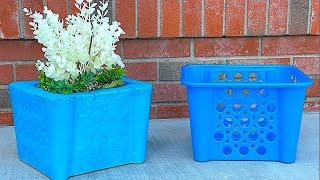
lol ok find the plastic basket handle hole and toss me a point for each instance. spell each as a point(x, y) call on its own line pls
point(252, 76)
point(237, 77)
point(222, 76)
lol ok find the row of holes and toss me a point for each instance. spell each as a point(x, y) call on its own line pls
point(247, 92)
point(254, 107)
point(237, 76)
point(244, 150)
point(252, 136)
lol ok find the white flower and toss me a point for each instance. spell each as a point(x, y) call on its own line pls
point(86, 43)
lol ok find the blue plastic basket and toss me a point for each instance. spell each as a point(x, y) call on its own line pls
point(242, 112)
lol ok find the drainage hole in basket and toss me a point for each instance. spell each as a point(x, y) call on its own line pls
point(263, 113)
point(262, 122)
point(244, 131)
point(270, 127)
point(227, 141)
point(245, 91)
point(261, 141)
point(254, 107)
point(261, 150)
point(263, 93)
point(235, 145)
point(228, 112)
point(220, 107)
point(236, 107)
point(245, 121)
point(218, 136)
point(228, 131)
point(244, 141)
point(271, 108)
point(271, 117)
point(271, 137)
point(261, 132)
point(229, 92)
point(222, 76)
point(227, 122)
point(252, 76)
point(236, 136)
point(227, 150)
point(244, 150)
point(253, 136)
point(237, 76)
point(252, 145)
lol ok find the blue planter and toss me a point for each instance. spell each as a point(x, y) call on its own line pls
point(67, 135)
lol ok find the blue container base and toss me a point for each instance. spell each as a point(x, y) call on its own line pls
point(58, 176)
point(246, 159)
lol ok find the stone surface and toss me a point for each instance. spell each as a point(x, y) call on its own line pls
point(169, 156)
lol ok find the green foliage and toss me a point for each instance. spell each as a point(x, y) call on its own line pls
point(87, 81)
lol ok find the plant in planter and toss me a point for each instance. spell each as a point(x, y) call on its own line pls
point(83, 114)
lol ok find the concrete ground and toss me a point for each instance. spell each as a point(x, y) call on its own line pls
point(170, 157)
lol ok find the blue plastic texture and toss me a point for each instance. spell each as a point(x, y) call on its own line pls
point(67, 135)
point(240, 112)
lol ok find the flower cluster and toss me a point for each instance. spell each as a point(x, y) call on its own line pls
point(80, 44)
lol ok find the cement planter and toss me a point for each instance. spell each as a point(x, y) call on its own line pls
point(67, 135)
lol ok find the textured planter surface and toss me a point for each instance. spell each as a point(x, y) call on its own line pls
point(66, 135)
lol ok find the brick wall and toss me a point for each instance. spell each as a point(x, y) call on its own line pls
point(163, 35)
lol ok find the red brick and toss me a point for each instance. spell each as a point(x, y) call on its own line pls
point(214, 11)
point(172, 111)
point(312, 105)
point(148, 18)
point(285, 61)
point(35, 5)
point(168, 92)
point(9, 20)
point(226, 47)
point(26, 72)
point(59, 7)
point(308, 65)
point(235, 12)
point(170, 25)
point(314, 91)
point(142, 70)
point(6, 73)
point(315, 17)
point(73, 8)
point(278, 12)
point(6, 118)
point(126, 14)
point(156, 48)
point(256, 17)
point(192, 18)
point(291, 45)
point(20, 50)
point(153, 112)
